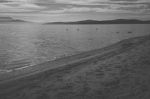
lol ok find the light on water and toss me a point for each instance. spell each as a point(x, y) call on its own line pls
point(28, 44)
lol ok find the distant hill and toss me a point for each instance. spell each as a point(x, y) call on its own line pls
point(117, 21)
point(10, 19)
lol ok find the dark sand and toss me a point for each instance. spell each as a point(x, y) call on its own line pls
point(119, 71)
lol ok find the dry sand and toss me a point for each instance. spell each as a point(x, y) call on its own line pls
point(120, 71)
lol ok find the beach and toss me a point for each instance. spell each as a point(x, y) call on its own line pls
point(119, 71)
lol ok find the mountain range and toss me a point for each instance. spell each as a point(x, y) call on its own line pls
point(117, 21)
point(10, 19)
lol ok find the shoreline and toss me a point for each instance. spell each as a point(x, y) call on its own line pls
point(118, 71)
point(74, 59)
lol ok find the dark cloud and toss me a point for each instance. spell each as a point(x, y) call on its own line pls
point(131, 8)
point(58, 6)
point(94, 6)
point(148, 5)
point(126, 0)
point(3, 1)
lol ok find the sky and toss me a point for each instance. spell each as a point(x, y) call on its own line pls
point(72, 10)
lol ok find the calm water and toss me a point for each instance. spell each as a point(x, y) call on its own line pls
point(30, 44)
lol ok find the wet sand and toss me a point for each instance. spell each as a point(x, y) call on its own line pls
point(119, 71)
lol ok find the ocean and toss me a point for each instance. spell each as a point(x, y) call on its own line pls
point(28, 44)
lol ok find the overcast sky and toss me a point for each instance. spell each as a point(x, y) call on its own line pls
point(70, 10)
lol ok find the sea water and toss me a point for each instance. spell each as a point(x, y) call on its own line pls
point(27, 44)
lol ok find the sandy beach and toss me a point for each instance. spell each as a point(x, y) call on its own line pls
point(119, 71)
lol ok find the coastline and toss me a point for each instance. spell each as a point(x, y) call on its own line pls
point(64, 61)
point(64, 66)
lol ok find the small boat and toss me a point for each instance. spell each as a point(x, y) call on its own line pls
point(129, 32)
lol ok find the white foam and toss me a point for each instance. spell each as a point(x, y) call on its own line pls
point(5, 71)
point(22, 67)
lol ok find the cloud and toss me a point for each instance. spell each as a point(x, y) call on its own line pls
point(96, 2)
point(18, 6)
point(75, 6)
point(125, 0)
point(2, 1)
point(81, 2)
